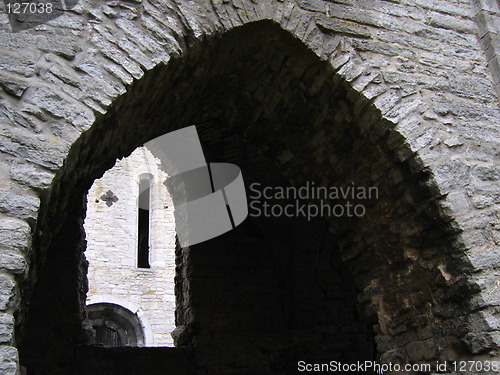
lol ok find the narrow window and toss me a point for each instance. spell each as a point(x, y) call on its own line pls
point(143, 223)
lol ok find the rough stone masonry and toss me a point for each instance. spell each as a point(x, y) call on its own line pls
point(398, 94)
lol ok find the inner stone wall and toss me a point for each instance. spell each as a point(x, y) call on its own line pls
point(111, 232)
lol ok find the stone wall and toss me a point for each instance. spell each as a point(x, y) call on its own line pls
point(396, 92)
point(487, 14)
point(111, 232)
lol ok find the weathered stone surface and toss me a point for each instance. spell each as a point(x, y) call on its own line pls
point(487, 172)
point(446, 7)
point(23, 64)
point(482, 341)
point(453, 175)
point(453, 141)
point(7, 291)
point(181, 336)
point(484, 258)
point(65, 45)
point(6, 328)
point(474, 88)
point(100, 80)
point(453, 23)
point(12, 261)
point(314, 5)
point(20, 206)
point(59, 107)
point(343, 27)
point(456, 203)
point(487, 15)
point(484, 196)
point(462, 108)
point(8, 360)
point(39, 150)
point(114, 54)
point(14, 234)
point(31, 175)
point(13, 85)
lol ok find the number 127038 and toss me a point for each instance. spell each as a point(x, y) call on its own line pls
point(33, 8)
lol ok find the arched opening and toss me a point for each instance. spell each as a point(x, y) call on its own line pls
point(277, 289)
point(114, 325)
point(130, 238)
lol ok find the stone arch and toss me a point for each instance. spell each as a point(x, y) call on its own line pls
point(383, 113)
point(125, 326)
point(144, 323)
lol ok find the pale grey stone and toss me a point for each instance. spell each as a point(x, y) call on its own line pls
point(12, 261)
point(473, 88)
point(450, 22)
point(12, 84)
point(377, 47)
point(480, 341)
point(445, 7)
point(7, 291)
point(314, 5)
point(407, 105)
point(387, 101)
point(20, 206)
point(8, 360)
point(408, 40)
point(66, 46)
point(31, 175)
point(351, 70)
point(27, 119)
point(452, 175)
point(396, 9)
point(135, 53)
point(69, 22)
point(14, 234)
point(484, 195)
point(453, 141)
point(6, 328)
point(339, 61)
point(455, 203)
point(484, 258)
point(487, 172)
point(338, 26)
point(63, 108)
point(113, 53)
point(22, 63)
point(147, 42)
point(34, 149)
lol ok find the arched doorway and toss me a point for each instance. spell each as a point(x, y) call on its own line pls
point(114, 325)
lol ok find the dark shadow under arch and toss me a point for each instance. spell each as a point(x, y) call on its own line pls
point(262, 100)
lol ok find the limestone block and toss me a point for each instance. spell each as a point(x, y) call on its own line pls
point(8, 360)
